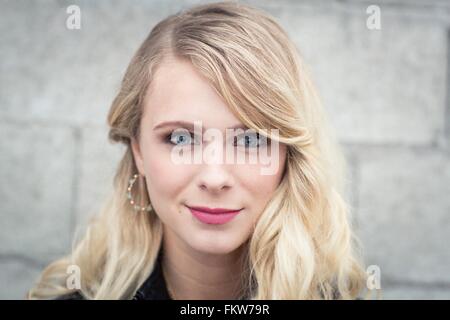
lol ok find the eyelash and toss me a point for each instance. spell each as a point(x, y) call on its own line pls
point(168, 139)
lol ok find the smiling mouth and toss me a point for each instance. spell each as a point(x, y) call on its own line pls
point(214, 215)
point(213, 210)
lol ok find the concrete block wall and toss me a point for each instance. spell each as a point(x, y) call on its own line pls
point(386, 92)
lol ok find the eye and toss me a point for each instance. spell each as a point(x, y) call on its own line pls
point(180, 137)
point(252, 140)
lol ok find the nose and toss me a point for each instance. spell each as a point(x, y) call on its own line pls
point(214, 178)
point(214, 175)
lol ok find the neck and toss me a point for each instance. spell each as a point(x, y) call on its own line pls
point(194, 275)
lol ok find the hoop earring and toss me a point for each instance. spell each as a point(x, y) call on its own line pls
point(136, 207)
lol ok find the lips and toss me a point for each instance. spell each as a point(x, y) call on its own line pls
point(213, 210)
point(214, 215)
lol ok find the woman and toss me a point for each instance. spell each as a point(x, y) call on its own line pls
point(209, 230)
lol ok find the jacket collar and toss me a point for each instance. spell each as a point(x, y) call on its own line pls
point(155, 287)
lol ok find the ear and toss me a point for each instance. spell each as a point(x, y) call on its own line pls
point(136, 149)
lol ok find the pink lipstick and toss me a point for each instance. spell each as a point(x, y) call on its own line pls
point(214, 215)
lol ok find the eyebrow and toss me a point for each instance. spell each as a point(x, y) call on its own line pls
point(190, 125)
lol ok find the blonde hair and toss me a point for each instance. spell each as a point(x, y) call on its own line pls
point(302, 246)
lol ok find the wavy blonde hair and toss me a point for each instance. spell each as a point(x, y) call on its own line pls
point(302, 246)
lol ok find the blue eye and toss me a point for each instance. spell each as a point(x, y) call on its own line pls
point(179, 137)
point(252, 140)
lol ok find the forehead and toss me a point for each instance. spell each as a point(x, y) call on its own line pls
point(179, 92)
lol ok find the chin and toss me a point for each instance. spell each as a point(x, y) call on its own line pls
point(214, 246)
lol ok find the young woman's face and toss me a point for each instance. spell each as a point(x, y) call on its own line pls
point(179, 93)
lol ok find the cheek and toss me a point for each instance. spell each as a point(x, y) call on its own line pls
point(265, 175)
point(260, 188)
point(165, 177)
